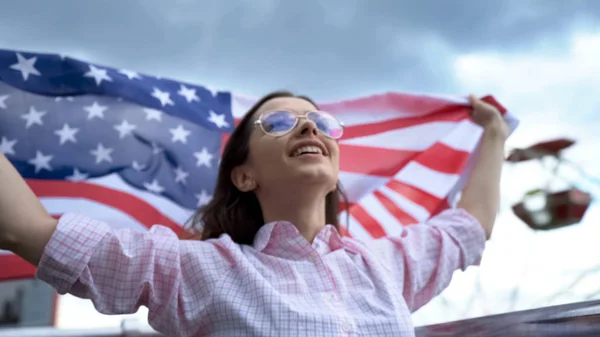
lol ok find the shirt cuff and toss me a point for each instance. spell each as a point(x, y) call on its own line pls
point(69, 250)
point(461, 212)
point(467, 227)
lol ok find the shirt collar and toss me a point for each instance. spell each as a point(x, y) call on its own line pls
point(282, 239)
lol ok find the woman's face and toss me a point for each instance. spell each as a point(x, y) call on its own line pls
point(276, 162)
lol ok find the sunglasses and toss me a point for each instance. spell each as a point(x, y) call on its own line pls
point(279, 123)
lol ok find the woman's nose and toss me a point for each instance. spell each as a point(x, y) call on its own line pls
point(307, 127)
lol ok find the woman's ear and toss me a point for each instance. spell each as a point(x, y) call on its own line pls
point(242, 178)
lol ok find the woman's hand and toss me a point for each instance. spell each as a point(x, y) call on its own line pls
point(489, 118)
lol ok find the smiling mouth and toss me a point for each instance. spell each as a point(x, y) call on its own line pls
point(307, 150)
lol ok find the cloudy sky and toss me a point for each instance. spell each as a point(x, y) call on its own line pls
point(540, 58)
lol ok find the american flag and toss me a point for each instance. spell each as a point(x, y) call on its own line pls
point(137, 150)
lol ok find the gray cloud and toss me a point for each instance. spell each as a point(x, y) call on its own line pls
point(329, 48)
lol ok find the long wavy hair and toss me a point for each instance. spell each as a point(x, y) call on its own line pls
point(238, 213)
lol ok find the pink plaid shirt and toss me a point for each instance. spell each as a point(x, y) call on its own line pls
point(280, 286)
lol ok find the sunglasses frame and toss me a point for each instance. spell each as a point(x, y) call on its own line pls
point(259, 123)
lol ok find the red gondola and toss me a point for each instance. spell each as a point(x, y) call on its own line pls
point(542, 209)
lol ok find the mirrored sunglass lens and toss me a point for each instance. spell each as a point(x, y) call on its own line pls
point(278, 122)
point(328, 124)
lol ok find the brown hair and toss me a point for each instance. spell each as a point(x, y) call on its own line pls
point(238, 213)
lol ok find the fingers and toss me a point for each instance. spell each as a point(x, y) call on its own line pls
point(479, 104)
point(473, 99)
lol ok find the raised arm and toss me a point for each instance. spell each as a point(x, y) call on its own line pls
point(423, 259)
point(25, 226)
point(481, 196)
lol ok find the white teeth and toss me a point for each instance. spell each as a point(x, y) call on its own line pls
point(307, 149)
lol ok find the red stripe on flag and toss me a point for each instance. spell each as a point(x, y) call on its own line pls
point(14, 267)
point(375, 161)
point(491, 100)
point(393, 101)
point(442, 158)
point(426, 200)
point(137, 208)
point(444, 205)
point(448, 114)
point(398, 213)
point(369, 223)
point(224, 138)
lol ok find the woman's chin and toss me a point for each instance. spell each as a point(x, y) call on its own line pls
point(314, 174)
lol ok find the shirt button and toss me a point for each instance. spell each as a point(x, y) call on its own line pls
point(346, 326)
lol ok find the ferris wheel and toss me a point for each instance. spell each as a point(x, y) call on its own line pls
point(542, 208)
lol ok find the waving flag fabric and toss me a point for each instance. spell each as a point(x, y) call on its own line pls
point(138, 150)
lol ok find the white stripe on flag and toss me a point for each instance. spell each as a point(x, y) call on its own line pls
point(464, 137)
point(357, 185)
point(415, 210)
point(92, 209)
point(351, 118)
point(167, 207)
point(354, 227)
point(388, 222)
point(414, 138)
point(428, 180)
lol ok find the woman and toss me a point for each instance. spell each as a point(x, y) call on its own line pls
point(272, 262)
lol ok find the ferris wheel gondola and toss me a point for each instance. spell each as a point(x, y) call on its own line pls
point(541, 208)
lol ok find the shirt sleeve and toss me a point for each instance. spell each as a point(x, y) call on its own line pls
point(123, 269)
point(425, 256)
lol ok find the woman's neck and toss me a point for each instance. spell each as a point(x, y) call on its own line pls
point(305, 210)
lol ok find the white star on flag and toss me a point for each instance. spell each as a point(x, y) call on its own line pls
point(77, 176)
point(98, 74)
point(33, 117)
point(203, 198)
point(102, 154)
point(25, 66)
point(181, 176)
point(137, 166)
point(130, 74)
point(7, 146)
point(218, 119)
point(124, 128)
point(153, 114)
point(154, 187)
point(203, 157)
point(163, 96)
point(179, 134)
point(188, 93)
point(41, 162)
point(95, 110)
point(3, 99)
point(214, 91)
point(67, 134)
